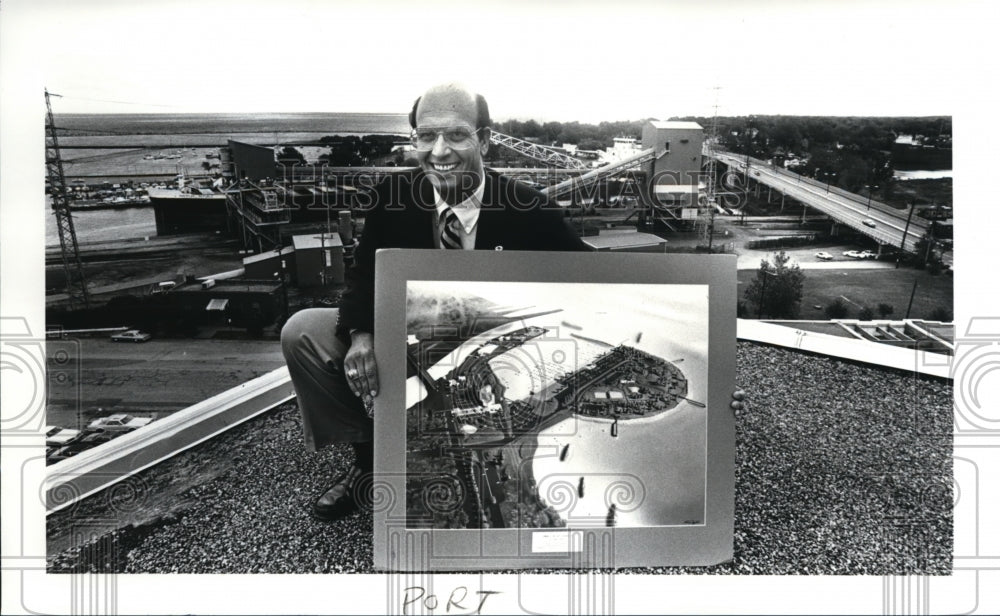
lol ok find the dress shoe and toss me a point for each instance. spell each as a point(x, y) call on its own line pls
point(338, 501)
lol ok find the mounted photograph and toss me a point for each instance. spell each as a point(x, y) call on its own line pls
point(571, 410)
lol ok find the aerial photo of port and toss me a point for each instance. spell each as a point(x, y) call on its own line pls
point(555, 405)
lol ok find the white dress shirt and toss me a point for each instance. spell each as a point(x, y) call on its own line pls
point(468, 215)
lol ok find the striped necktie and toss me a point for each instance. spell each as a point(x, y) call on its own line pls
point(449, 230)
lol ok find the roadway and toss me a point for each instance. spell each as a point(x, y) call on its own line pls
point(493, 493)
point(844, 207)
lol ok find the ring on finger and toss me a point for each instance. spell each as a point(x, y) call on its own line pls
point(352, 373)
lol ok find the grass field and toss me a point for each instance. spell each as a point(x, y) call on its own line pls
point(870, 288)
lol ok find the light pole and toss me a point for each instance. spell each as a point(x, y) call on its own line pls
point(902, 242)
point(870, 190)
point(281, 277)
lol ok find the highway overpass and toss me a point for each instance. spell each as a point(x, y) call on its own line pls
point(846, 208)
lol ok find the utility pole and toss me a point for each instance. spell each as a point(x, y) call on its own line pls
point(710, 197)
point(871, 188)
point(913, 292)
point(902, 243)
point(76, 284)
point(743, 210)
point(711, 226)
point(281, 276)
point(322, 246)
point(749, 142)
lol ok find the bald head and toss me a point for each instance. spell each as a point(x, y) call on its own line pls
point(450, 100)
point(451, 137)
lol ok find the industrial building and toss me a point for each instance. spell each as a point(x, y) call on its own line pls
point(188, 209)
point(677, 167)
point(252, 304)
point(319, 259)
point(246, 161)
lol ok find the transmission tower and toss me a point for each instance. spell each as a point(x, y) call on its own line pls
point(76, 285)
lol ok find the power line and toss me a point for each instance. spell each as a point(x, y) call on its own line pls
point(102, 100)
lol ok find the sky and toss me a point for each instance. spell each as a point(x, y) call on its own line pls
point(585, 61)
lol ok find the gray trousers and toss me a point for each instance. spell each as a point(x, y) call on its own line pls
point(315, 357)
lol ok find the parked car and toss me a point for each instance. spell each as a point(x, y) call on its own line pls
point(853, 254)
point(95, 439)
point(867, 254)
point(868, 222)
point(623, 200)
point(130, 335)
point(59, 437)
point(825, 256)
point(83, 444)
point(119, 422)
point(61, 453)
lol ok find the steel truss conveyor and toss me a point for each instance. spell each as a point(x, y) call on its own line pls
point(541, 153)
point(568, 186)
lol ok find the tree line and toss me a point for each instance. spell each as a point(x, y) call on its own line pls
point(849, 152)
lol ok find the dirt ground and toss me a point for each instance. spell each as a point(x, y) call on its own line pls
point(108, 263)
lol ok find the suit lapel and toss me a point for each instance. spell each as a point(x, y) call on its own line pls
point(490, 230)
point(422, 211)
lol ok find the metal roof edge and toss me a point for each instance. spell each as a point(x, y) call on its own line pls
point(915, 324)
point(899, 358)
point(90, 471)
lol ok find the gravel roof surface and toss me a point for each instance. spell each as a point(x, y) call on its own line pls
point(841, 468)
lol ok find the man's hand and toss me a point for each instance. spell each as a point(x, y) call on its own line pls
point(359, 365)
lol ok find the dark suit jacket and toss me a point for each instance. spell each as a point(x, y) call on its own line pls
point(401, 214)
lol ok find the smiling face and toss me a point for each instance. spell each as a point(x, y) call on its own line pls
point(454, 164)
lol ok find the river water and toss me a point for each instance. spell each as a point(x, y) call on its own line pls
point(922, 175)
point(141, 129)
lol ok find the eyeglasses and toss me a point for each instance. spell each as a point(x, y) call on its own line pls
point(455, 137)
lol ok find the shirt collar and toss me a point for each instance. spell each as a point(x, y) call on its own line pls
point(467, 211)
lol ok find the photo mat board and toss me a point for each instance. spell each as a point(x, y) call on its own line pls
point(543, 409)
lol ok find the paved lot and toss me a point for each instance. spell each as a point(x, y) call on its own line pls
point(731, 232)
point(155, 378)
